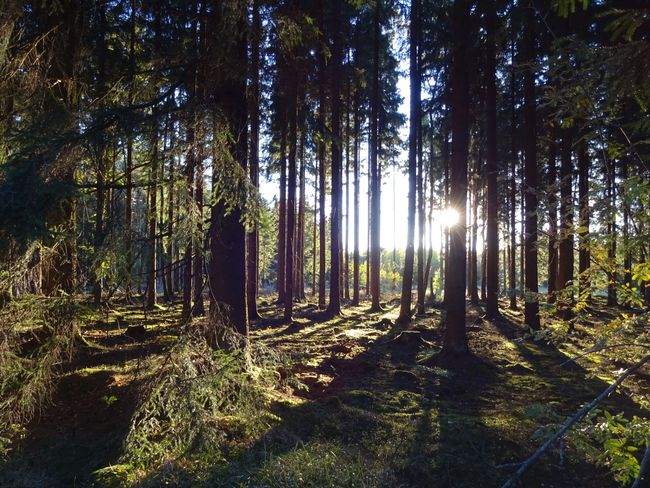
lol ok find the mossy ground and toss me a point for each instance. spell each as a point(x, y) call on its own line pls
point(370, 405)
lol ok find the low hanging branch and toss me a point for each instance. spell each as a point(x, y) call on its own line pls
point(569, 423)
point(643, 468)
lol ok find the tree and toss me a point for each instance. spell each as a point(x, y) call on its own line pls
point(334, 307)
point(414, 122)
point(252, 245)
point(375, 171)
point(227, 266)
point(455, 336)
point(531, 308)
point(492, 264)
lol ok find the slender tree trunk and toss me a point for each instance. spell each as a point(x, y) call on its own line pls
point(128, 210)
point(473, 254)
point(290, 258)
point(492, 241)
point(512, 264)
point(252, 244)
point(282, 224)
point(565, 262)
point(375, 170)
point(346, 263)
point(322, 103)
point(187, 258)
point(455, 335)
point(172, 270)
point(612, 279)
point(334, 307)
point(421, 179)
point(414, 121)
point(198, 309)
point(355, 259)
point(531, 310)
point(583, 235)
point(300, 292)
point(153, 208)
point(552, 218)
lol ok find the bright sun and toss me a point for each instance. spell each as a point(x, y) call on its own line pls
point(448, 217)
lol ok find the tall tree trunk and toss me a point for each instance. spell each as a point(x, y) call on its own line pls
point(300, 292)
point(346, 240)
point(375, 170)
point(531, 310)
point(101, 152)
point(355, 259)
point(414, 121)
point(227, 266)
point(565, 262)
point(512, 264)
point(198, 309)
point(334, 307)
point(455, 335)
point(322, 103)
point(421, 180)
point(583, 234)
point(612, 279)
point(153, 208)
point(552, 217)
point(291, 101)
point(187, 257)
point(282, 224)
point(252, 244)
point(473, 253)
point(128, 210)
point(492, 241)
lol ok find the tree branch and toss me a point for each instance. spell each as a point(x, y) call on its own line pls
point(569, 423)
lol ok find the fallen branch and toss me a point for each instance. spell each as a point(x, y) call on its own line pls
point(603, 348)
point(643, 467)
point(569, 423)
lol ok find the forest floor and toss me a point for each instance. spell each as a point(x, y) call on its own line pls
point(370, 404)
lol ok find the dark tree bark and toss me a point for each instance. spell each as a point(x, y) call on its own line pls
point(552, 217)
point(128, 210)
point(355, 259)
point(282, 218)
point(227, 267)
point(322, 103)
point(291, 100)
point(472, 274)
point(252, 244)
point(101, 152)
point(583, 234)
point(492, 241)
point(612, 278)
point(455, 335)
point(531, 310)
point(152, 225)
point(198, 309)
point(421, 180)
point(565, 262)
point(334, 307)
point(414, 121)
point(300, 230)
point(512, 264)
point(375, 170)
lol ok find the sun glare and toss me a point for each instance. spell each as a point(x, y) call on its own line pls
point(448, 217)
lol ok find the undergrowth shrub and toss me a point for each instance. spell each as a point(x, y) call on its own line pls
point(201, 403)
point(36, 336)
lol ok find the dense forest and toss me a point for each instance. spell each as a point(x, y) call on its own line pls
point(198, 288)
